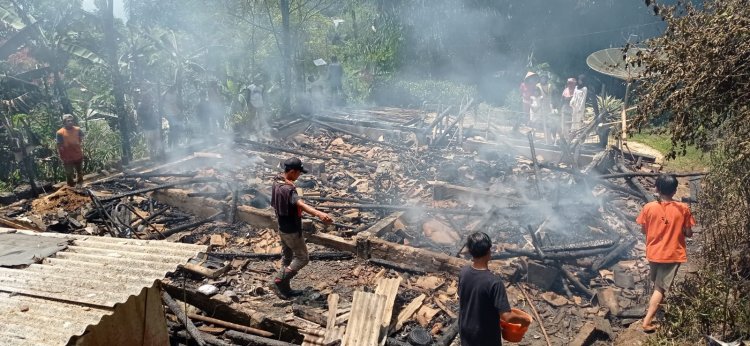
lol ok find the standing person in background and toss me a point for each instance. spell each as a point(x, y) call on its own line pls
point(482, 299)
point(566, 111)
point(174, 117)
point(150, 123)
point(666, 223)
point(289, 207)
point(335, 77)
point(528, 92)
point(70, 148)
point(546, 109)
point(578, 104)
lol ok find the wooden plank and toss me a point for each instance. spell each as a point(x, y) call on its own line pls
point(389, 289)
point(409, 311)
point(385, 224)
point(333, 304)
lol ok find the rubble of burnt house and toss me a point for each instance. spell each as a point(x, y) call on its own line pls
point(405, 187)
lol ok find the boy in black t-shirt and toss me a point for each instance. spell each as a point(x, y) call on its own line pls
point(482, 298)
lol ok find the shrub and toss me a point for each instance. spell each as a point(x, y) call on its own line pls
point(413, 93)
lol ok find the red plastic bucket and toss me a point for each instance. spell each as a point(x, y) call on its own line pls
point(515, 329)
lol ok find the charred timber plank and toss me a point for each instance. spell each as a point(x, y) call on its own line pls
point(232, 312)
point(648, 174)
point(649, 197)
point(424, 259)
point(448, 334)
point(560, 255)
point(309, 314)
point(332, 241)
point(315, 256)
point(437, 120)
point(205, 207)
point(397, 266)
point(248, 339)
point(385, 224)
point(185, 227)
point(613, 255)
point(549, 155)
point(403, 208)
point(574, 280)
point(183, 318)
point(210, 339)
point(535, 162)
point(356, 135)
point(159, 187)
point(442, 191)
point(301, 153)
point(235, 326)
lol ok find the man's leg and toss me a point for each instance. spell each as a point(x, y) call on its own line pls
point(69, 171)
point(79, 172)
point(653, 305)
point(295, 244)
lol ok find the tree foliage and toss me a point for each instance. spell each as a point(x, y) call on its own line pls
point(698, 73)
point(697, 85)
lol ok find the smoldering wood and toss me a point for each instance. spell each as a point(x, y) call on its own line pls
point(248, 339)
point(647, 174)
point(144, 221)
point(559, 255)
point(614, 254)
point(160, 187)
point(437, 120)
point(397, 266)
point(337, 199)
point(535, 163)
point(183, 318)
point(337, 224)
point(188, 226)
point(309, 314)
point(150, 217)
point(356, 135)
point(159, 175)
point(230, 325)
point(577, 283)
point(315, 256)
point(302, 153)
point(210, 339)
point(593, 244)
point(403, 208)
point(634, 182)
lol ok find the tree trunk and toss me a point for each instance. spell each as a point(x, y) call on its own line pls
point(118, 88)
point(286, 57)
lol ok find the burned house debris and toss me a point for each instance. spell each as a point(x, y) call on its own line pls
point(405, 187)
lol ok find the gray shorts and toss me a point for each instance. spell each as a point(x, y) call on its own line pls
point(662, 274)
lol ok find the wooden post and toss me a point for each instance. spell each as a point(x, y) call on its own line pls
point(624, 134)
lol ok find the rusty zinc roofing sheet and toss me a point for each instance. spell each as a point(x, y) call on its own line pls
point(48, 303)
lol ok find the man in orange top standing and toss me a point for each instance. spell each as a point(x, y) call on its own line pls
point(665, 223)
point(69, 146)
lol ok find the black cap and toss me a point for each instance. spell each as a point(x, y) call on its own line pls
point(294, 163)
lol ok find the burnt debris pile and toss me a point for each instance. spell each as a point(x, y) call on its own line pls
point(405, 188)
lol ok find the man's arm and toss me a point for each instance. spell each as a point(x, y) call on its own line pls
point(314, 212)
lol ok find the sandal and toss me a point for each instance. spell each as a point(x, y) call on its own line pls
point(650, 328)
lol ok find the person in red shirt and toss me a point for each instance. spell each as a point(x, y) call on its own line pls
point(665, 223)
point(70, 148)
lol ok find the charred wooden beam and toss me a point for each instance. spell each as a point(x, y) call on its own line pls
point(307, 313)
point(536, 164)
point(225, 310)
point(315, 256)
point(248, 339)
point(397, 266)
point(356, 135)
point(230, 325)
point(301, 153)
point(159, 187)
point(181, 228)
point(648, 174)
point(613, 255)
point(183, 318)
point(560, 255)
point(402, 208)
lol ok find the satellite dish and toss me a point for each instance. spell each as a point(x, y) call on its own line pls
point(616, 63)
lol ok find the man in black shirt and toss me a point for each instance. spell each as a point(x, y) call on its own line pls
point(482, 298)
point(289, 207)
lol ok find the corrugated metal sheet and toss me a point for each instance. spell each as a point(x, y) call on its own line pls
point(363, 328)
point(78, 286)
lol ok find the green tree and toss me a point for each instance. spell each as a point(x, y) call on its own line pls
point(698, 81)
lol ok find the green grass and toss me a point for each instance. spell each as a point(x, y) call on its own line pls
point(693, 160)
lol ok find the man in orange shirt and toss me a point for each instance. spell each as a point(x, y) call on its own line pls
point(69, 146)
point(665, 223)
